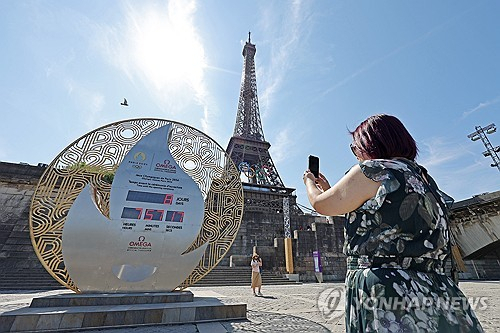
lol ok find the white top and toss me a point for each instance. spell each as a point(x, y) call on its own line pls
point(255, 265)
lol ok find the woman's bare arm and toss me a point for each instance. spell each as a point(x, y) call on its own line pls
point(350, 192)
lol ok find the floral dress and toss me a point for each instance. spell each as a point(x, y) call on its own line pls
point(396, 245)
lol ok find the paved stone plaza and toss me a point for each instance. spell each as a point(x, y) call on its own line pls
point(284, 308)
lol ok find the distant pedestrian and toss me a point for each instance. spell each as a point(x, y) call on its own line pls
point(256, 264)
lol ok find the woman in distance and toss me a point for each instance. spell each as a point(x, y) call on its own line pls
point(256, 264)
point(397, 236)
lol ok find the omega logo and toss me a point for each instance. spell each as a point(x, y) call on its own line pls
point(165, 165)
point(140, 242)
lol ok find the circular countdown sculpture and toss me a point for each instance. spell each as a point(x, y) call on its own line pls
point(137, 205)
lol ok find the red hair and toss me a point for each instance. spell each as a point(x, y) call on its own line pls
point(384, 136)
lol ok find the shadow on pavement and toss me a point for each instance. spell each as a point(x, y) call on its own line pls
point(270, 297)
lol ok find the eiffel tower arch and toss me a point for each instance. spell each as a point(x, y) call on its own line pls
point(264, 190)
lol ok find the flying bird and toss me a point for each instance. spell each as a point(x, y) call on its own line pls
point(124, 103)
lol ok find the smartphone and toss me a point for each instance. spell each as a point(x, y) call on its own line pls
point(314, 165)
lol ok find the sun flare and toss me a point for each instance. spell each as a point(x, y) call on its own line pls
point(166, 47)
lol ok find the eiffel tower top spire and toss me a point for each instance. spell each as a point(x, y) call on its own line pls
point(248, 123)
point(247, 147)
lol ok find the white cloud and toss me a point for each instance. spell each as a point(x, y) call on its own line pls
point(295, 26)
point(458, 170)
point(480, 106)
point(394, 52)
point(438, 151)
point(92, 102)
point(223, 70)
point(281, 145)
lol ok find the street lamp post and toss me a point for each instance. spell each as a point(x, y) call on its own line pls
point(481, 133)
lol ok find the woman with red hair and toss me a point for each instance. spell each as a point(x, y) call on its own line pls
point(397, 236)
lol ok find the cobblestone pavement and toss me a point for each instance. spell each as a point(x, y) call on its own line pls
point(284, 308)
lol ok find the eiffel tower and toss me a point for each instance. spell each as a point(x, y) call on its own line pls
point(264, 188)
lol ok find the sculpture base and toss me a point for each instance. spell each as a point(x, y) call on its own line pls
point(68, 312)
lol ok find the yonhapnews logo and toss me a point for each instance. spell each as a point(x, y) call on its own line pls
point(330, 303)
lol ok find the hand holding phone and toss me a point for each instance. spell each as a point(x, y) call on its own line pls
point(314, 165)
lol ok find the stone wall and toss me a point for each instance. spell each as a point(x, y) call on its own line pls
point(327, 238)
point(261, 229)
point(17, 185)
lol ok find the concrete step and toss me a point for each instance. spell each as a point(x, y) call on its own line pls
point(33, 286)
point(40, 279)
point(243, 278)
point(219, 284)
point(28, 279)
point(111, 299)
point(101, 315)
point(238, 276)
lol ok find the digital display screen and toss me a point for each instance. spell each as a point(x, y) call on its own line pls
point(150, 214)
point(131, 213)
point(174, 216)
point(153, 214)
point(157, 198)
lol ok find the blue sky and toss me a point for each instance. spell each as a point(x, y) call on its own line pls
point(322, 68)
